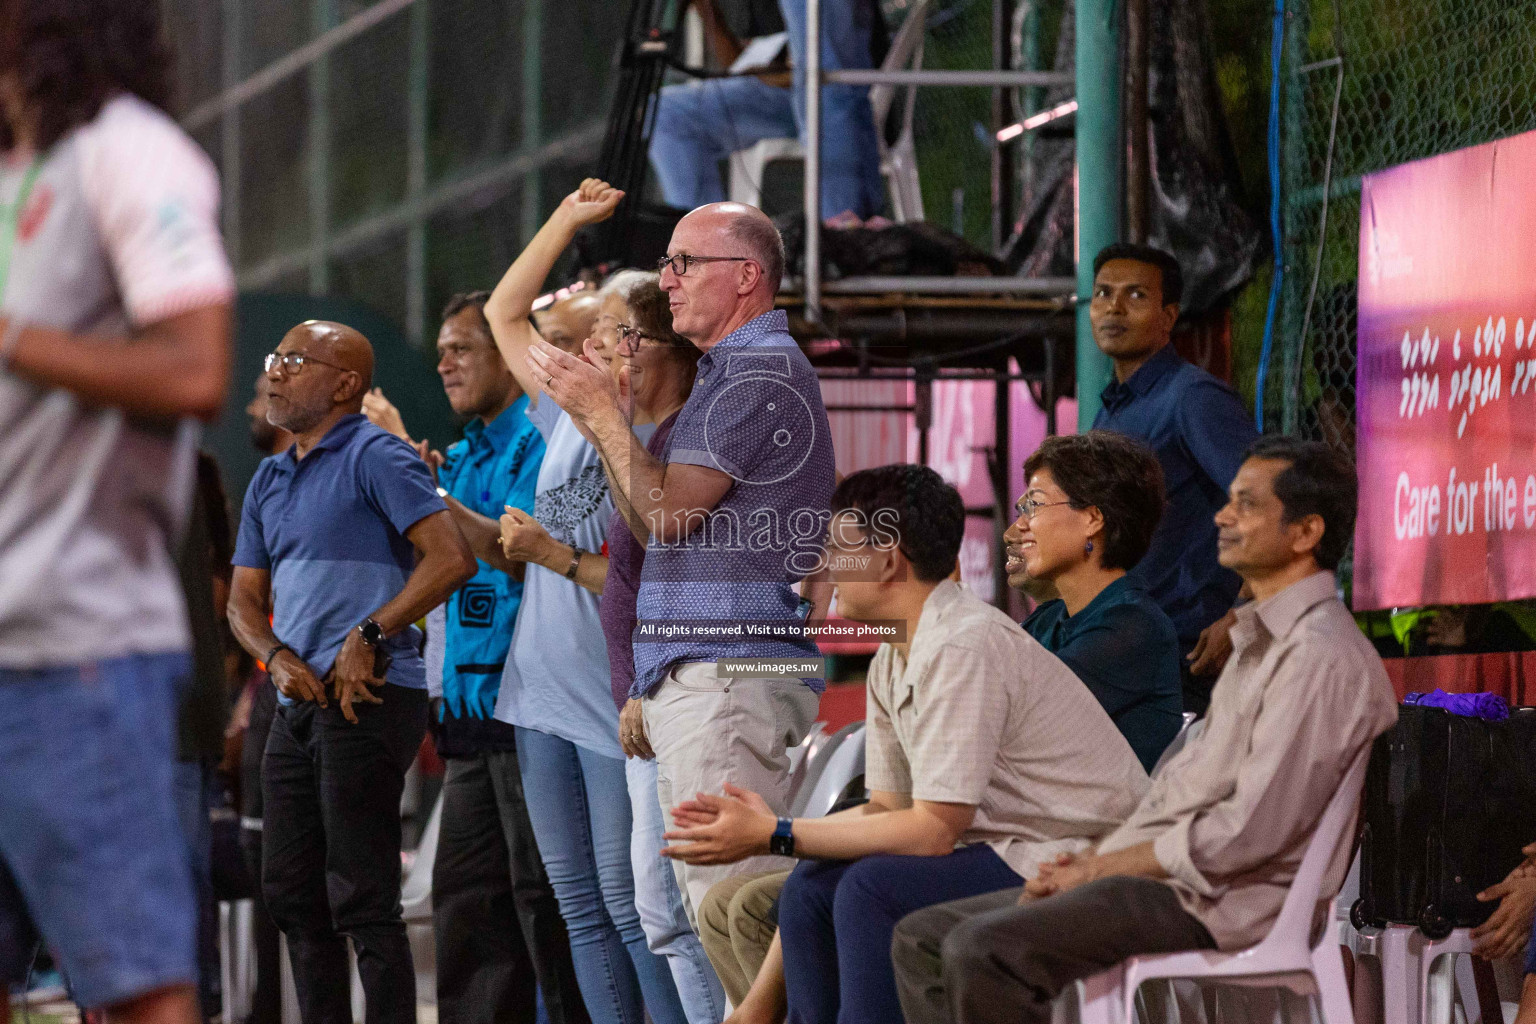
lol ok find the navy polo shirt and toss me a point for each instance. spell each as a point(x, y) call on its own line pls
point(1125, 650)
point(330, 528)
point(1199, 430)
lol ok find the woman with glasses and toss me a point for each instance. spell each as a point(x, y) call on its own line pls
point(556, 686)
point(1091, 505)
point(656, 368)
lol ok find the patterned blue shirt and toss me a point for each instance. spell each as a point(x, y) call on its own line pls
point(1199, 430)
point(756, 414)
point(495, 465)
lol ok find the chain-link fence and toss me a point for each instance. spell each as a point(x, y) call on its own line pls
point(391, 151)
point(1368, 84)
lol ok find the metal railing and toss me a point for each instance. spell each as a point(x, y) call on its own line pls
point(814, 287)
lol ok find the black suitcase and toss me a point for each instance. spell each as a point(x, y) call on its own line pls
point(1448, 804)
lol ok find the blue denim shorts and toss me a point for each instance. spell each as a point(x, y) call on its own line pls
point(88, 823)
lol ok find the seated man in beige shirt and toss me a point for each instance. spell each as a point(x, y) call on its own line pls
point(1206, 859)
point(985, 755)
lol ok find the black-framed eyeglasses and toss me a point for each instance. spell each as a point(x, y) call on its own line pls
point(293, 362)
point(683, 260)
point(1030, 507)
point(631, 337)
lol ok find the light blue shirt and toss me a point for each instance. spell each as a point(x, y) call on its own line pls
point(556, 678)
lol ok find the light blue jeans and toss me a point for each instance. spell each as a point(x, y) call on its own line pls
point(698, 124)
point(578, 802)
point(660, 903)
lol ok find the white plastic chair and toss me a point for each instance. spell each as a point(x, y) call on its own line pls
point(237, 957)
point(1286, 957)
point(898, 160)
point(1406, 959)
point(843, 765)
point(800, 757)
point(1188, 730)
point(817, 760)
point(416, 888)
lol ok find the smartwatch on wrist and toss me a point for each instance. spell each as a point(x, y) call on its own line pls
point(373, 633)
point(782, 843)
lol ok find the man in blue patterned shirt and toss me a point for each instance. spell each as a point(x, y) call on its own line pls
point(736, 514)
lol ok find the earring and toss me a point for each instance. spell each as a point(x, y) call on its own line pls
point(1088, 548)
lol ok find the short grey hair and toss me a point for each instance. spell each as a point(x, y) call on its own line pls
point(625, 283)
point(763, 244)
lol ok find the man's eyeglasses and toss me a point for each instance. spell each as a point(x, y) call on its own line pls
point(293, 362)
point(1030, 507)
point(683, 260)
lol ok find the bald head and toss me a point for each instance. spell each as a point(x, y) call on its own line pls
point(751, 233)
point(339, 344)
point(734, 277)
point(566, 324)
point(336, 372)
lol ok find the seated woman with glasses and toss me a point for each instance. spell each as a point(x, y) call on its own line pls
point(1091, 505)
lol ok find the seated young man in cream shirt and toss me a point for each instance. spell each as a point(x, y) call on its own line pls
point(985, 755)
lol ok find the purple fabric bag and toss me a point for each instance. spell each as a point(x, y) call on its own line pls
point(1488, 706)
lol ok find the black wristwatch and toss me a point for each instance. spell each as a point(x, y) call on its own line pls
point(782, 843)
point(373, 633)
point(279, 646)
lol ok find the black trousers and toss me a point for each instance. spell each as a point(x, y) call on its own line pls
point(331, 851)
point(494, 915)
point(266, 1001)
point(986, 960)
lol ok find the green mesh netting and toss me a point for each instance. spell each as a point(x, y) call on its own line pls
point(1369, 84)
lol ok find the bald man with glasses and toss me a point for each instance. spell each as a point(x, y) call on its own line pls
point(344, 543)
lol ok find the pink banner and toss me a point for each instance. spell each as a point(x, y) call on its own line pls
point(1446, 391)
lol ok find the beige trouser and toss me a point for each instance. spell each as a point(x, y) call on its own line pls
point(707, 731)
point(737, 924)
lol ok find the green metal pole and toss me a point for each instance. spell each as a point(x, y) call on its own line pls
point(1099, 189)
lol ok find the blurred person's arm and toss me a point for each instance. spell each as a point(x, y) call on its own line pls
point(508, 308)
point(174, 367)
point(153, 198)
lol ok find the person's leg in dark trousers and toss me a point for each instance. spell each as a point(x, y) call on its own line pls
point(986, 960)
point(538, 912)
point(267, 999)
point(293, 867)
point(362, 774)
point(483, 881)
point(810, 941)
point(871, 895)
point(484, 973)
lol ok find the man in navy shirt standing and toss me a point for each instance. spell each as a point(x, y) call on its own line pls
point(1199, 430)
point(345, 543)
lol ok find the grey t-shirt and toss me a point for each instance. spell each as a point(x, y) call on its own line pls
point(119, 231)
point(557, 677)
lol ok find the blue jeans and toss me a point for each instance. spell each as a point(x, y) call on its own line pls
point(837, 918)
point(88, 822)
point(660, 903)
point(578, 802)
point(701, 123)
